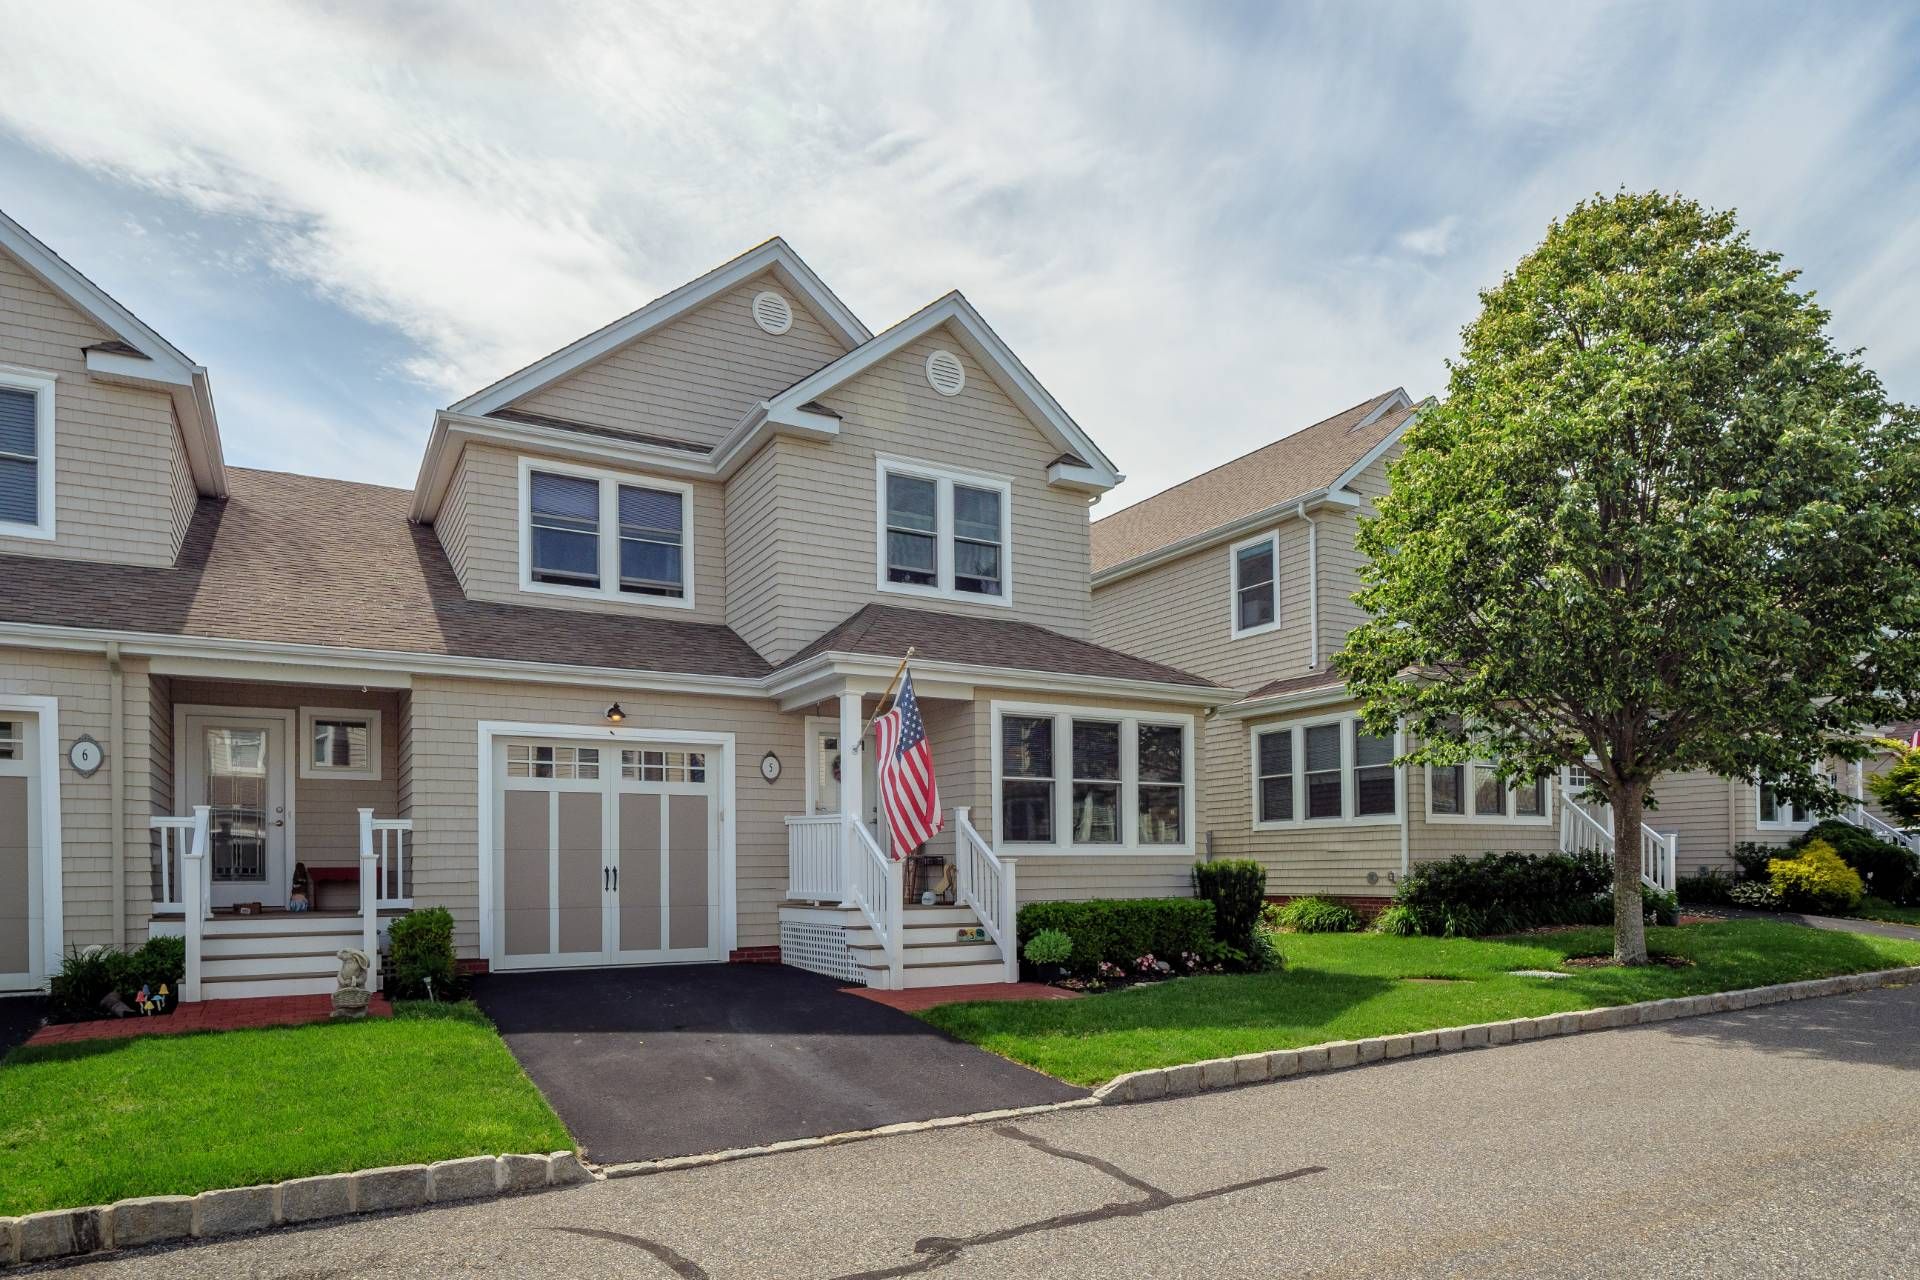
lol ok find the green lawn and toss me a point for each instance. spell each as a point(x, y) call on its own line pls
point(1875, 909)
point(1354, 985)
point(93, 1122)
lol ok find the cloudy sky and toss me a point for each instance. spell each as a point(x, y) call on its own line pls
point(1202, 225)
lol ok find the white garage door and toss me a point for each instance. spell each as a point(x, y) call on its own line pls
point(21, 945)
point(605, 854)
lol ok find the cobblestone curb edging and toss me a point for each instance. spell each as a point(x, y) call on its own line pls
point(150, 1220)
point(1257, 1068)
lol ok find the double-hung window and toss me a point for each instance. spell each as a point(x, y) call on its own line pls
point(1475, 793)
point(1256, 585)
point(943, 533)
point(1323, 771)
point(587, 532)
point(1778, 812)
point(1121, 782)
point(26, 454)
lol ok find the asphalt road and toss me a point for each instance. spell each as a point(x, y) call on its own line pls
point(1774, 1142)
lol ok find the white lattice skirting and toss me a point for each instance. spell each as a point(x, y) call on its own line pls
point(818, 948)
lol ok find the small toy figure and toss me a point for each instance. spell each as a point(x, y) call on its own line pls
point(144, 1001)
point(300, 895)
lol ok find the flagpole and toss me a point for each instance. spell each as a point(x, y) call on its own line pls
point(901, 670)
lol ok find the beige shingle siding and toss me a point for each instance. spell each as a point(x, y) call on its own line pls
point(446, 789)
point(185, 494)
point(828, 513)
point(756, 518)
point(114, 445)
point(694, 379)
point(481, 535)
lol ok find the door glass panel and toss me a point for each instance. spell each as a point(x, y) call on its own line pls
point(236, 770)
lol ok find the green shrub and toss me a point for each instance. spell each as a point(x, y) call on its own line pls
point(1889, 872)
point(1315, 915)
point(1048, 949)
point(1266, 956)
point(1465, 897)
point(1660, 906)
point(420, 950)
point(1399, 920)
point(1752, 857)
point(1237, 888)
point(86, 977)
point(1121, 930)
point(1756, 895)
point(1706, 886)
point(1815, 879)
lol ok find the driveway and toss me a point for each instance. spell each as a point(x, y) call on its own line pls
point(20, 1017)
point(675, 1060)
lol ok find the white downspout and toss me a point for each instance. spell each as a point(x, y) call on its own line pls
point(1406, 814)
point(117, 789)
point(1313, 587)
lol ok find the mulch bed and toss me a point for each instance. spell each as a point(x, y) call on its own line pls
point(208, 1015)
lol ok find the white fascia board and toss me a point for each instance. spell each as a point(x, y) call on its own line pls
point(346, 662)
point(774, 254)
point(836, 669)
point(993, 355)
point(1302, 700)
point(1387, 441)
point(762, 422)
point(452, 431)
point(1293, 508)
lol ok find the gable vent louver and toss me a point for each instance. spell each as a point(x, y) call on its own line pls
point(772, 312)
point(946, 373)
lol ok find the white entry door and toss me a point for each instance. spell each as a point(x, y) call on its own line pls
point(826, 760)
point(606, 855)
point(22, 942)
point(235, 764)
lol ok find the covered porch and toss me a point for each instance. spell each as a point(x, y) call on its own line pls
point(279, 831)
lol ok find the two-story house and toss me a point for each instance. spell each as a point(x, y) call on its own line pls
point(590, 684)
point(1246, 574)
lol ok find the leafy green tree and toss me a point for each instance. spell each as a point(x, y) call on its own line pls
point(1658, 523)
point(1898, 788)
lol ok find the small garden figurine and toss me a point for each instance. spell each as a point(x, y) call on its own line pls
point(350, 999)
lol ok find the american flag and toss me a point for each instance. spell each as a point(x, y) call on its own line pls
point(908, 791)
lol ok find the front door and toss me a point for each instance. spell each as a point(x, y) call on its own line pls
point(21, 866)
point(236, 767)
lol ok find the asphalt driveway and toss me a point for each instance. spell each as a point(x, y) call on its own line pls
point(20, 1017)
point(674, 1060)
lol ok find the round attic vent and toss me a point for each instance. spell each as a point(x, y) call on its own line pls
point(946, 373)
point(772, 312)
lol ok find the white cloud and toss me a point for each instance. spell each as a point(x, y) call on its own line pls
point(1199, 236)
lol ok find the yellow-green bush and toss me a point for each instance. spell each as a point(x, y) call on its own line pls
point(1815, 880)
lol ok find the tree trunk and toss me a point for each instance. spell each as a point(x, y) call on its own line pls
point(1629, 915)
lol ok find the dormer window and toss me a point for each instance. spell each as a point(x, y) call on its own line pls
point(943, 533)
point(1256, 585)
point(600, 533)
point(26, 454)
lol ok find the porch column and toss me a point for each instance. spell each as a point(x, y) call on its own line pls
point(852, 802)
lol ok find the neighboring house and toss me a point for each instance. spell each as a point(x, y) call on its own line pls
point(587, 684)
point(1246, 574)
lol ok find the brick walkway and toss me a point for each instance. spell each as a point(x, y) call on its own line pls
point(914, 999)
point(207, 1015)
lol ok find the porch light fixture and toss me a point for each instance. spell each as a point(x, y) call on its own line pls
point(615, 715)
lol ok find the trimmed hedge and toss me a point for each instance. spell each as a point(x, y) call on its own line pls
point(420, 947)
point(1504, 893)
point(1121, 930)
point(1815, 879)
point(1890, 872)
point(1237, 888)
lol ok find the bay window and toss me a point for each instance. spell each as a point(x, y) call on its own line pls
point(943, 533)
point(600, 533)
point(1329, 770)
point(1123, 781)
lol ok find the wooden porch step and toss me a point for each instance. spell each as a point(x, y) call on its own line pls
point(247, 986)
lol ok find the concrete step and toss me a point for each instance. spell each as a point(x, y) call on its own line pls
point(272, 944)
point(314, 964)
point(267, 984)
point(953, 975)
point(280, 922)
point(871, 955)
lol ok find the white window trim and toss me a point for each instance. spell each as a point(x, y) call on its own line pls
point(1272, 538)
point(943, 535)
point(1471, 819)
point(1789, 823)
point(309, 769)
point(609, 532)
point(41, 384)
point(1298, 728)
point(1130, 721)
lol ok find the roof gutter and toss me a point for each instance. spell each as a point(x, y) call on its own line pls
point(1291, 508)
point(1298, 700)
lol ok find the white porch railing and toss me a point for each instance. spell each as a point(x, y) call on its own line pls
point(875, 884)
point(1581, 832)
point(985, 881)
point(813, 858)
point(383, 880)
point(174, 837)
point(1859, 817)
point(196, 889)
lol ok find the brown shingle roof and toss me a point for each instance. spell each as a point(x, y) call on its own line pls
point(1324, 678)
point(886, 631)
point(1290, 467)
point(588, 428)
point(301, 560)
